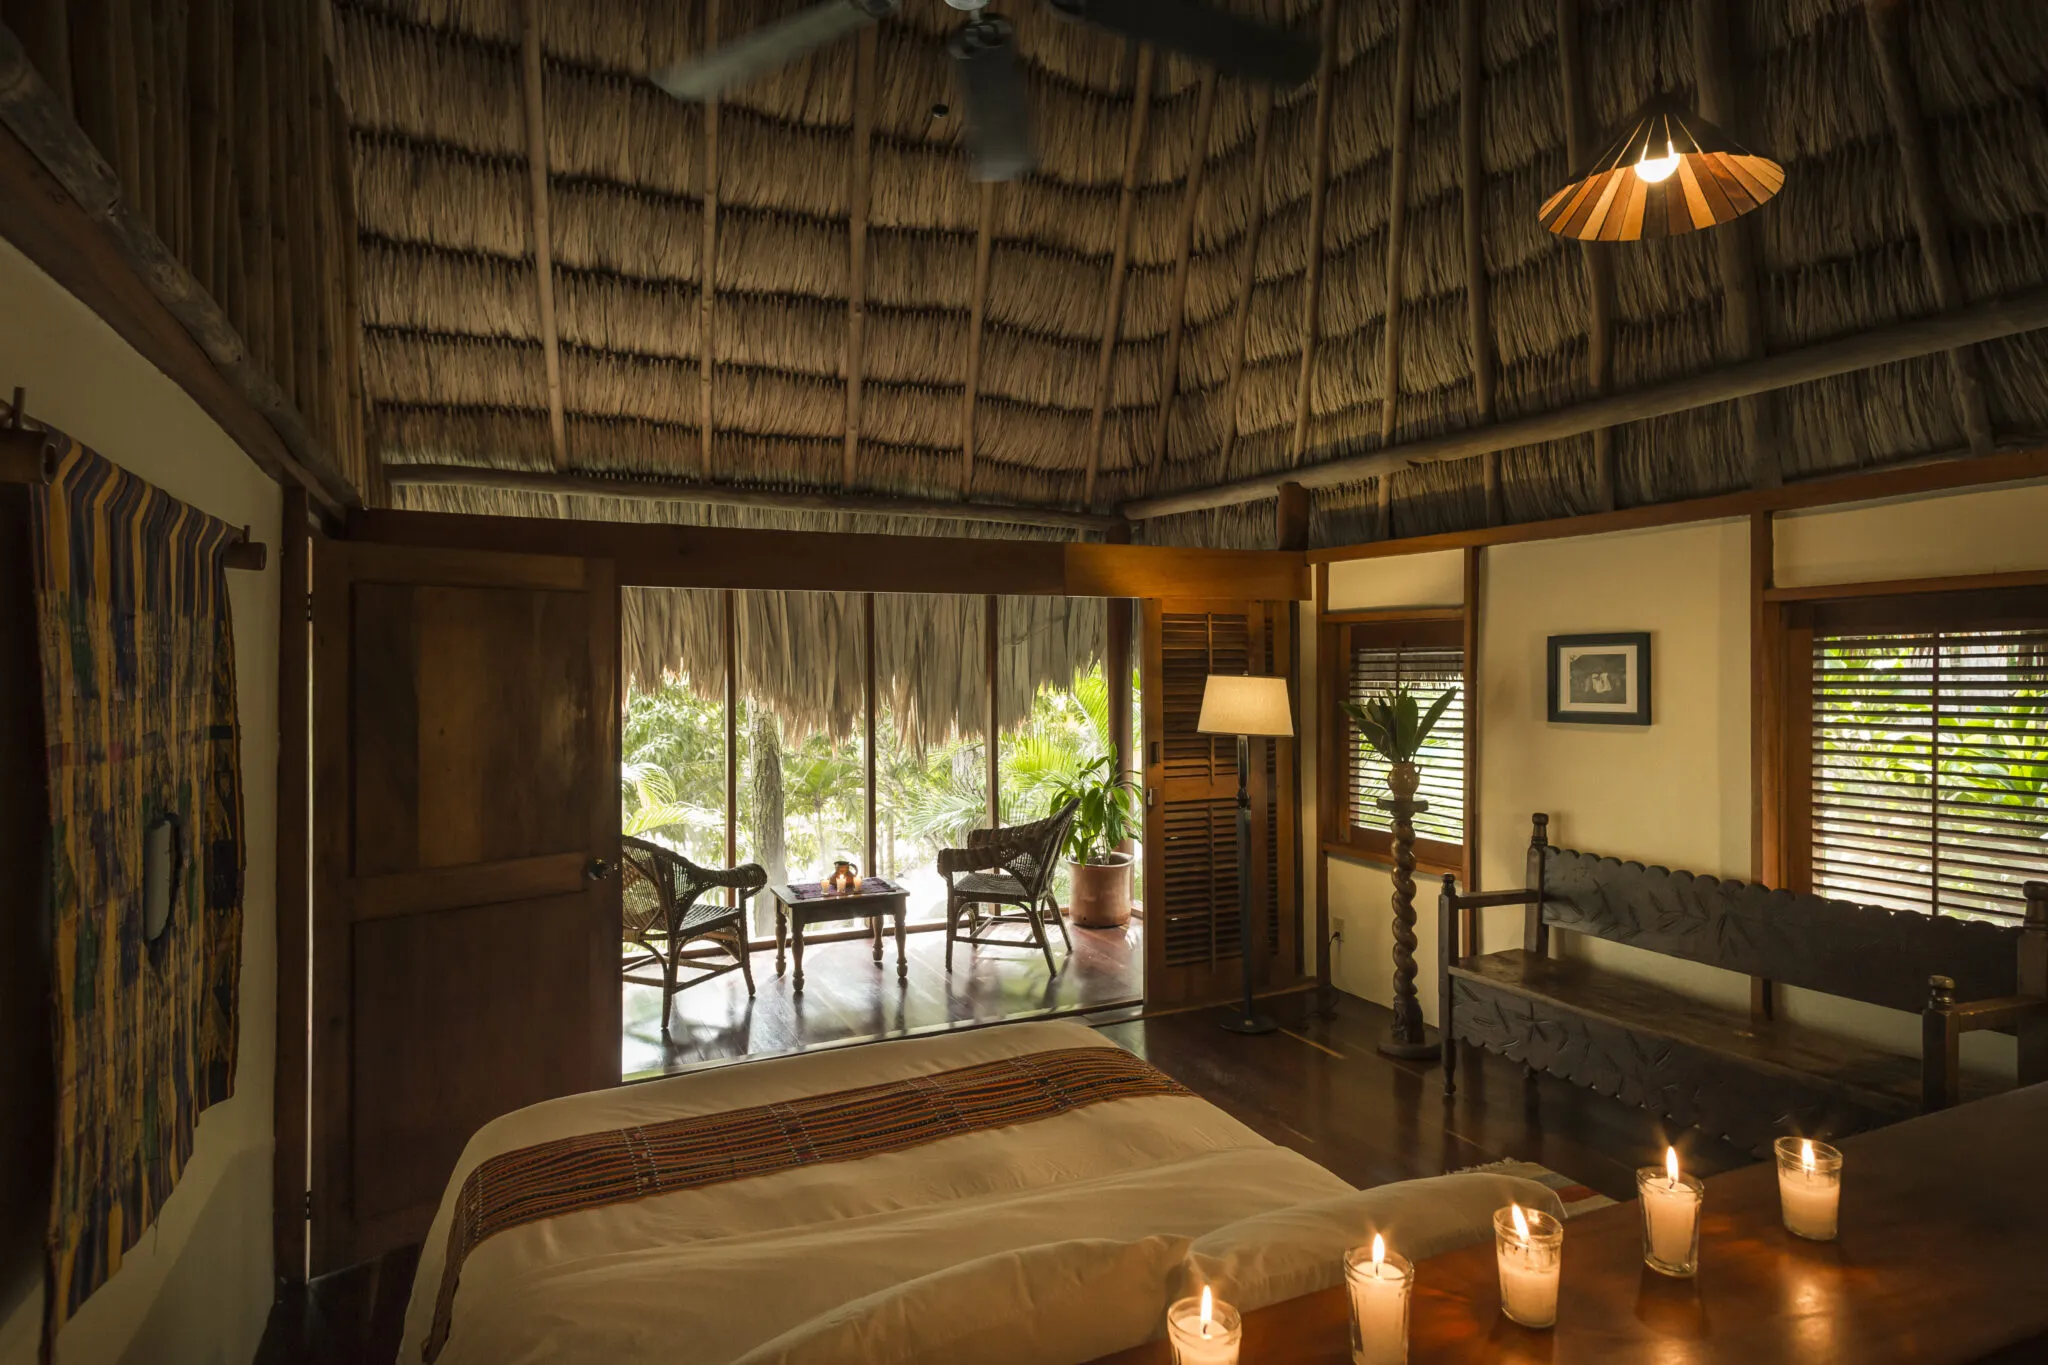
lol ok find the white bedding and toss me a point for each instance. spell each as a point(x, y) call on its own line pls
point(1044, 1243)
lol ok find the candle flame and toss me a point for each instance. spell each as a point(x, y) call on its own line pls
point(1208, 1308)
point(1379, 1252)
point(1806, 1155)
point(1521, 1223)
point(1671, 1165)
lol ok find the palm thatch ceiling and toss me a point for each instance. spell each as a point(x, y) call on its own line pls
point(1205, 227)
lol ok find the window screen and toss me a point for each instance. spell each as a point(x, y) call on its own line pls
point(1379, 661)
point(1930, 768)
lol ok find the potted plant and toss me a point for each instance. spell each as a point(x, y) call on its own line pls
point(1108, 811)
point(1394, 725)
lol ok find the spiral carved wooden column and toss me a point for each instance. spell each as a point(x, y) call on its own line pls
point(1407, 1036)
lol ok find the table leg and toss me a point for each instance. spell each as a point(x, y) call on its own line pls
point(875, 927)
point(796, 938)
point(781, 913)
point(902, 965)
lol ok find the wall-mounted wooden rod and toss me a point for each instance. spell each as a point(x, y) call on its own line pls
point(27, 455)
point(725, 495)
point(2026, 311)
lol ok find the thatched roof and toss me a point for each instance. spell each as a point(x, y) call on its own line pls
point(455, 363)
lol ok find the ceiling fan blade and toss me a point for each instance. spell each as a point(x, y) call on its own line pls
point(1233, 45)
point(764, 49)
point(992, 90)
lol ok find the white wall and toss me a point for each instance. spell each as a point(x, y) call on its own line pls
point(1678, 791)
point(197, 1287)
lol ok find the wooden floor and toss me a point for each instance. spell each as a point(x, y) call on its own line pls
point(1317, 1087)
point(848, 998)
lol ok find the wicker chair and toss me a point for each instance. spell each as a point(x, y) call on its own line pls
point(1007, 867)
point(658, 897)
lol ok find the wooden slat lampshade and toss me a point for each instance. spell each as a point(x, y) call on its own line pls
point(1671, 171)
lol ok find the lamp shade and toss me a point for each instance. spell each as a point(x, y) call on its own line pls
point(1669, 172)
point(1245, 706)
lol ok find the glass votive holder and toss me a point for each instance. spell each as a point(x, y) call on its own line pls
point(1529, 1246)
point(1809, 1187)
point(1203, 1338)
point(1671, 1220)
point(1379, 1306)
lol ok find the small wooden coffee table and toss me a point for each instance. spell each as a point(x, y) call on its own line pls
point(798, 904)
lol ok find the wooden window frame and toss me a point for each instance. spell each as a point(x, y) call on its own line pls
point(1337, 635)
point(1789, 618)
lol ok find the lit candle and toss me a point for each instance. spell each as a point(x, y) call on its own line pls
point(1379, 1304)
point(1809, 1187)
point(1529, 1246)
point(1671, 1216)
point(1203, 1331)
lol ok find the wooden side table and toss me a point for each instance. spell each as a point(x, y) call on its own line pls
point(798, 904)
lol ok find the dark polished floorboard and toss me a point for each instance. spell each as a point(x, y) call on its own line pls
point(1318, 1087)
point(848, 998)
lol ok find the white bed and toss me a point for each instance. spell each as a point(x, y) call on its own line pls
point(1053, 1241)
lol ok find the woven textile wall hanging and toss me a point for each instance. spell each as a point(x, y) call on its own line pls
point(138, 682)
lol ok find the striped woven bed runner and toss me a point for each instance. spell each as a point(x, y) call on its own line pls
point(592, 1170)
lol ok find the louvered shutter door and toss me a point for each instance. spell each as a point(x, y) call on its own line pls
point(1191, 928)
point(1930, 769)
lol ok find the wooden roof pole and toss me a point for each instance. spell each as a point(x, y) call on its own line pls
point(1318, 204)
point(707, 264)
point(543, 243)
point(1735, 247)
point(1929, 209)
point(1397, 231)
point(1571, 69)
point(1247, 271)
point(1472, 193)
point(1169, 370)
point(977, 311)
point(1120, 263)
point(857, 236)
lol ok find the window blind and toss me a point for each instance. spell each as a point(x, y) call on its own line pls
point(1427, 669)
point(1930, 769)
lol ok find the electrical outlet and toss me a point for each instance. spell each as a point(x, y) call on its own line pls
point(1336, 931)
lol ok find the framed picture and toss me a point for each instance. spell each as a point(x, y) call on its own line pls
point(1600, 679)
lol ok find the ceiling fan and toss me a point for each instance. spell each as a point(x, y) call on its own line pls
point(984, 53)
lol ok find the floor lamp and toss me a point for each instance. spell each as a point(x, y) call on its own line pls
point(1245, 707)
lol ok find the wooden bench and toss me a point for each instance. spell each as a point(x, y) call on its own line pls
point(1740, 1074)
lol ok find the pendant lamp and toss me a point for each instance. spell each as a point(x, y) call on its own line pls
point(1670, 172)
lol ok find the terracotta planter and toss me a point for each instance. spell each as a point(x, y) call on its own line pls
point(1101, 897)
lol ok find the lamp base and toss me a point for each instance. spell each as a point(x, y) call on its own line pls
point(1240, 1022)
point(1429, 1045)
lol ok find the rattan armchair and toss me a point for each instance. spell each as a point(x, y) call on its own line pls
point(1010, 867)
point(660, 916)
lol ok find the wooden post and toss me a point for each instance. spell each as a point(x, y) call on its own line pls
point(867, 638)
point(992, 660)
point(293, 890)
point(1407, 1036)
point(1475, 591)
point(1291, 518)
point(729, 603)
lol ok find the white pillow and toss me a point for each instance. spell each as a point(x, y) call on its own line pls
point(1300, 1249)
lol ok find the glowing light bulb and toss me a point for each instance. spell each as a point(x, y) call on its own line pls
point(1671, 1165)
point(1379, 1254)
point(1208, 1308)
point(1658, 168)
point(1521, 1223)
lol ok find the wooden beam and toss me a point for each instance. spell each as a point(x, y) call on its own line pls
point(1579, 150)
point(859, 175)
point(1397, 220)
point(1472, 195)
point(726, 495)
point(294, 903)
point(531, 68)
point(61, 204)
point(1929, 207)
point(977, 310)
point(1247, 273)
point(1904, 587)
point(659, 555)
point(1915, 479)
point(1318, 205)
point(1721, 96)
point(707, 266)
point(1119, 265)
point(1184, 243)
point(1291, 517)
point(2025, 311)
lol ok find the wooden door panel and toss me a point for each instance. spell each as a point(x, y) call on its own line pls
point(465, 962)
point(408, 1024)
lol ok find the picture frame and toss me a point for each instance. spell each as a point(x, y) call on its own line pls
point(1599, 679)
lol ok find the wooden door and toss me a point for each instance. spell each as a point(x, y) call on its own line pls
point(1192, 947)
point(466, 818)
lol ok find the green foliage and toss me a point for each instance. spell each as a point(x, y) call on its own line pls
point(1393, 723)
point(1108, 812)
